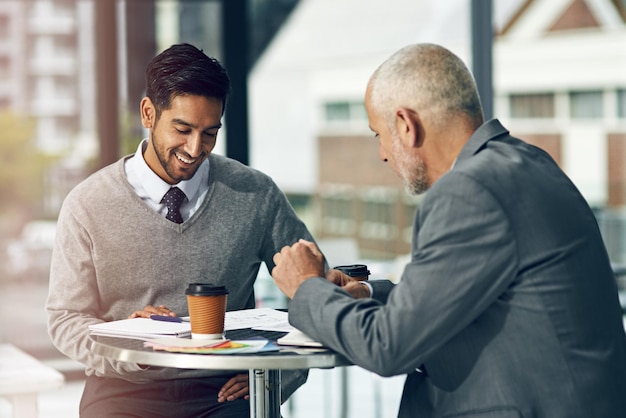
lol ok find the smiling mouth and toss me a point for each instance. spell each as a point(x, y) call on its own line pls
point(186, 160)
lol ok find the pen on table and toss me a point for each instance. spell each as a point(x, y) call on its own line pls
point(165, 318)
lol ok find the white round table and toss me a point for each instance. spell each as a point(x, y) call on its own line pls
point(263, 368)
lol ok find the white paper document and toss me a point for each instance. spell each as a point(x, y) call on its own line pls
point(298, 338)
point(142, 328)
point(265, 319)
point(261, 319)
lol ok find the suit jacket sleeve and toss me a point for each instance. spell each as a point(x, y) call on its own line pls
point(463, 258)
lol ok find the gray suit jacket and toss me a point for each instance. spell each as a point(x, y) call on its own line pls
point(508, 307)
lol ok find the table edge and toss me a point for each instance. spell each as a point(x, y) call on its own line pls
point(301, 358)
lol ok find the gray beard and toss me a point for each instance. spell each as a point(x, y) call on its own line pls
point(412, 172)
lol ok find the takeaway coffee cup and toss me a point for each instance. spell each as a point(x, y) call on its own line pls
point(207, 308)
point(356, 271)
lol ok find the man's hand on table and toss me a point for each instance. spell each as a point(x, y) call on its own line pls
point(152, 310)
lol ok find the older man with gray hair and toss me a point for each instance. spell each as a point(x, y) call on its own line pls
point(509, 306)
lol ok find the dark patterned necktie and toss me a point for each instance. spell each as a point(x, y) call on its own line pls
point(173, 199)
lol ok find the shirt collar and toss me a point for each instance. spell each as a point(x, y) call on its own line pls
point(154, 186)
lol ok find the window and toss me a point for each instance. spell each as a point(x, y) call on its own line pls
point(337, 111)
point(338, 211)
point(411, 204)
point(532, 105)
point(4, 27)
point(344, 111)
point(621, 104)
point(378, 209)
point(5, 68)
point(586, 104)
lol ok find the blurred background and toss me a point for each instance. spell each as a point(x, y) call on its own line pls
point(71, 79)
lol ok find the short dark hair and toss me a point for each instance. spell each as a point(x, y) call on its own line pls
point(184, 69)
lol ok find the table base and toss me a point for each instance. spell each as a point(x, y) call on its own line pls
point(264, 388)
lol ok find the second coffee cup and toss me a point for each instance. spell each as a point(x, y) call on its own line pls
point(356, 271)
point(207, 309)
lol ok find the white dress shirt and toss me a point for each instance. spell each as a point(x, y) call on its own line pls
point(151, 188)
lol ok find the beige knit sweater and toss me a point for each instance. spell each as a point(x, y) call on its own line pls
point(114, 255)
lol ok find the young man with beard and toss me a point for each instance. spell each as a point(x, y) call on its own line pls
point(508, 307)
point(120, 247)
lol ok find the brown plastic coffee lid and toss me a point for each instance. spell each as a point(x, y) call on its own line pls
point(205, 289)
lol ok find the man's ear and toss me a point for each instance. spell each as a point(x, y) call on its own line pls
point(148, 113)
point(408, 127)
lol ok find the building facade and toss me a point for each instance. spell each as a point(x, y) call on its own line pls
point(47, 68)
point(559, 81)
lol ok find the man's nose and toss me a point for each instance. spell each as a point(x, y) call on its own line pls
point(193, 147)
